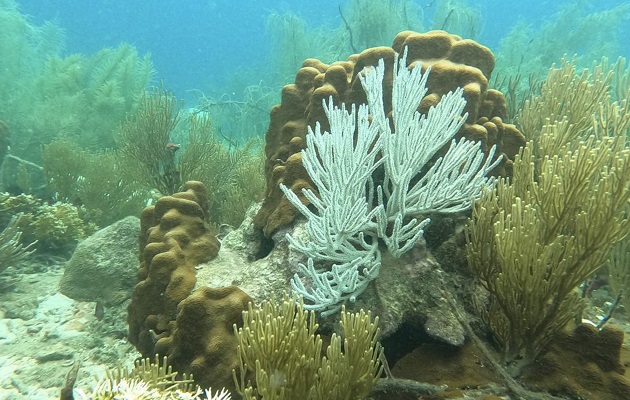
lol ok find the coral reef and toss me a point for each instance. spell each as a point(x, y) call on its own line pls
point(454, 62)
point(174, 239)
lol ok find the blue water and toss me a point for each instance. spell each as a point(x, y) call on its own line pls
point(197, 44)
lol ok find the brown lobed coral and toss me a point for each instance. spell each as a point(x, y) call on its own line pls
point(454, 62)
point(194, 329)
point(174, 239)
point(203, 342)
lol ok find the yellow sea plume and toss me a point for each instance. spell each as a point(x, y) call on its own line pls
point(279, 348)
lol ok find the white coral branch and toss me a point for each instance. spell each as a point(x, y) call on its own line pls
point(344, 223)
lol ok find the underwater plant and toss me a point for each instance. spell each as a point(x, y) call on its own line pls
point(535, 238)
point(84, 98)
point(144, 143)
point(364, 24)
point(57, 226)
point(80, 98)
point(48, 97)
point(24, 50)
point(620, 82)
point(92, 180)
point(233, 174)
point(147, 154)
point(149, 157)
point(373, 23)
point(618, 268)
point(112, 184)
point(281, 355)
point(241, 115)
point(289, 42)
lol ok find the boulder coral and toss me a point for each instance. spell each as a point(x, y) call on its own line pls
point(454, 62)
point(174, 239)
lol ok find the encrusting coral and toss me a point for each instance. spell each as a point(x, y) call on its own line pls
point(454, 63)
point(165, 317)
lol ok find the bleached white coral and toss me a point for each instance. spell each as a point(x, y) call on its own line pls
point(136, 389)
point(349, 215)
point(200, 394)
point(222, 395)
point(133, 389)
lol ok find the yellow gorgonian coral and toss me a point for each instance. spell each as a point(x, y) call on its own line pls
point(279, 349)
point(533, 239)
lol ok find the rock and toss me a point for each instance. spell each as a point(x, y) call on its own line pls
point(54, 355)
point(6, 333)
point(103, 267)
point(408, 290)
point(263, 279)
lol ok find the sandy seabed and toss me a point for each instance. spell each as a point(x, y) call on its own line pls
point(43, 333)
